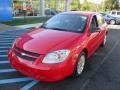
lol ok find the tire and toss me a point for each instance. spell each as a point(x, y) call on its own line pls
point(112, 22)
point(104, 41)
point(80, 65)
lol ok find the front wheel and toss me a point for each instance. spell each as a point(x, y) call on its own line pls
point(80, 65)
point(112, 22)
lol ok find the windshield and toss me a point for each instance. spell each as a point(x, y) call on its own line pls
point(67, 22)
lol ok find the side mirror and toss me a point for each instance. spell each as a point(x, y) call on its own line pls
point(43, 25)
point(96, 29)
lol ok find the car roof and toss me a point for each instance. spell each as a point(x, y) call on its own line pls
point(86, 13)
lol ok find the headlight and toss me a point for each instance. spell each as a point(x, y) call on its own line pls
point(56, 56)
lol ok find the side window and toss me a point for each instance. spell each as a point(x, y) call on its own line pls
point(118, 13)
point(113, 13)
point(94, 24)
point(100, 20)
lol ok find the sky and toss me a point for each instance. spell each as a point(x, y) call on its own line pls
point(95, 1)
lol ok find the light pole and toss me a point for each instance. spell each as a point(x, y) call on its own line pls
point(67, 5)
point(42, 7)
point(119, 4)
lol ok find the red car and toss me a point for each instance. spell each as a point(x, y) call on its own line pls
point(60, 47)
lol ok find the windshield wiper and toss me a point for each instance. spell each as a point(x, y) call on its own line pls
point(60, 29)
point(44, 26)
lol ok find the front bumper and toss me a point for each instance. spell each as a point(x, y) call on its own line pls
point(40, 71)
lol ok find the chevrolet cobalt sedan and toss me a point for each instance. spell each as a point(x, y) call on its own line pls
point(60, 47)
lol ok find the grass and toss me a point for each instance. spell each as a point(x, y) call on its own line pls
point(23, 21)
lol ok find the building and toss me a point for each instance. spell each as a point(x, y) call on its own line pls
point(37, 7)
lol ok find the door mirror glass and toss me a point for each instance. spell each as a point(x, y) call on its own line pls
point(95, 29)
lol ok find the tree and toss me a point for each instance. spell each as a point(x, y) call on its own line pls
point(74, 5)
point(115, 4)
point(85, 6)
point(111, 4)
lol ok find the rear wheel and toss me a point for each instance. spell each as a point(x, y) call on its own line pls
point(80, 65)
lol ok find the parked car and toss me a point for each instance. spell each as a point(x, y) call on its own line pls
point(112, 19)
point(115, 13)
point(51, 12)
point(31, 13)
point(60, 47)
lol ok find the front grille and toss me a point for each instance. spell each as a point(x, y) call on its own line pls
point(26, 54)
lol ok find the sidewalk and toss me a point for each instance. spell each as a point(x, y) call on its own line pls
point(114, 26)
point(6, 27)
point(28, 25)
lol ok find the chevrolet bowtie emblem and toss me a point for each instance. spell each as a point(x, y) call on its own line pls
point(23, 54)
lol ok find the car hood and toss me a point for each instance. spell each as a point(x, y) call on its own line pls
point(43, 41)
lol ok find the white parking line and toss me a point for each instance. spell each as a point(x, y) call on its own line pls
point(2, 35)
point(4, 62)
point(4, 47)
point(3, 56)
point(2, 38)
point(5, 43)
point(1, 51)
point(8, 36)
point(8, 41)
point(29, 85)
point(15, 80)
point(7, 70)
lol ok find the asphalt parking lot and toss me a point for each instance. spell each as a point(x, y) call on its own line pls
point(102, 71)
